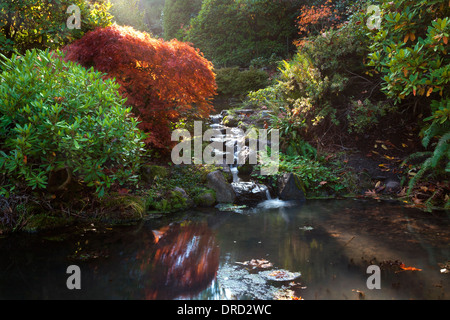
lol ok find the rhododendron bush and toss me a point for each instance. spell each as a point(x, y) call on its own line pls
point(163, 81)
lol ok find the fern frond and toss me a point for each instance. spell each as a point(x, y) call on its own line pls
point(430, 132)
point(416, 155)
point(425, 167)
point(441, 150)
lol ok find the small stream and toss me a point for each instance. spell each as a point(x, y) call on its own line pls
point(207, 254)
point(236, 151)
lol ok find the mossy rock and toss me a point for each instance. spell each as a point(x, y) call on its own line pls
point(246, 168)
point(124, 207)
point(150, 172)
point(43, 221)
point(230, 121)
point(206, 198)
point(174, 200)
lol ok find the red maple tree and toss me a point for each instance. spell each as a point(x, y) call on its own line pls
point(163, 81)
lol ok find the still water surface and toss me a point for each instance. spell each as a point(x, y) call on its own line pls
point(206, 254)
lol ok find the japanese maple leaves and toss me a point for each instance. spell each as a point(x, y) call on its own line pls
point(163, 81)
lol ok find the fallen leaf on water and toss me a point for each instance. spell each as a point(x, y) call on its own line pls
point(280, 275)
point(286, 294)
point(158, 234)
point(257, 263)
point(403, 267)
point(444, 267)
point(361, 294)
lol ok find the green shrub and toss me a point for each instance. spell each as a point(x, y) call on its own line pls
point(314, 176)
point(364, 115)
point(233, 32)
point(57, 116)
point(42, 24)
point(299, 99)
point(436, 136)
point(234, 82)
point(410, 50)
point(314, 90)
point(263, 62)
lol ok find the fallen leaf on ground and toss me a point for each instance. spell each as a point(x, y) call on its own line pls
point(402, 192)
point(370, 193)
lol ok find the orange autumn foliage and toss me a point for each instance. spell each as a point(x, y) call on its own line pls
point(163, 81)
point(316, 19)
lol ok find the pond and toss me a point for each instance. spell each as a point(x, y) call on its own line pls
point(318, 249)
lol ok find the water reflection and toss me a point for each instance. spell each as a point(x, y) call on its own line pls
point(184, 262)
point(331, 243)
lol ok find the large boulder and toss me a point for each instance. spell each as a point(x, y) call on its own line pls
point(224, 191)
point(290, 187)
point(250, 192)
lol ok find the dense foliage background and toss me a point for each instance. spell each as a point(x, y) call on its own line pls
point(326, 77)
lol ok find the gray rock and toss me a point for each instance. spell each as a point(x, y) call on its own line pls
point(224, 191)
point(392, 186)
point(248, 192)
point(188, 201)
point(289, 187)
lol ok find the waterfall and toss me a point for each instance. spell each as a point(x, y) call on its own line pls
point(231, 137)
point(268, 194)
point(234, 172)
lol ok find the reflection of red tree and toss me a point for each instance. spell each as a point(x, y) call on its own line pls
point(185, 262)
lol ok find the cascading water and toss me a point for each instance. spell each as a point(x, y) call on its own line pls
point(232, 139)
